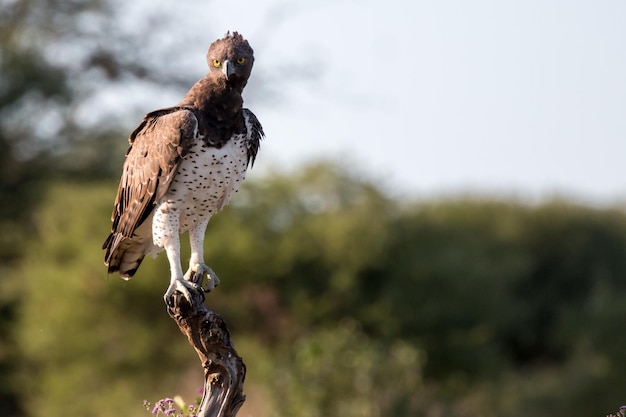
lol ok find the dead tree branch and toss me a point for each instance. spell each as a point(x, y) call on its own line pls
point(224, 370)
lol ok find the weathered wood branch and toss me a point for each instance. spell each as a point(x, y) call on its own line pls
point(224, 370)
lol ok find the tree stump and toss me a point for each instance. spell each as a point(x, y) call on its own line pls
point(224, 370)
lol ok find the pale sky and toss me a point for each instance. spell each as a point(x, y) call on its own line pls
point(524, 98)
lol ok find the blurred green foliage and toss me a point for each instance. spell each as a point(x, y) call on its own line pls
point(341, 299)
point(347, 302)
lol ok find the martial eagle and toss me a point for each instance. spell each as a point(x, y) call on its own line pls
point(183, 165)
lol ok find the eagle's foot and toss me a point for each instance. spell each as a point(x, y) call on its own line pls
point(184, 287)
point(196, 275)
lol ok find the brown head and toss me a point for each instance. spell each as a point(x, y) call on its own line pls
point(231, 59)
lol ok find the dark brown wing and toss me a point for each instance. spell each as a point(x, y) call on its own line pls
point(254, 135)
point(157, 147)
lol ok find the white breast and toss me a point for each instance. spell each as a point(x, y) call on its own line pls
point(206, 180)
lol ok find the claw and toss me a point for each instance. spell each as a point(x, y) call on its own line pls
point(184, 288)
point(196, 275)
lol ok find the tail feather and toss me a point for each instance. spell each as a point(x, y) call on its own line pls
point(123, 255)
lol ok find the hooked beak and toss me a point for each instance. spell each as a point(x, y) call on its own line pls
point(228, 68)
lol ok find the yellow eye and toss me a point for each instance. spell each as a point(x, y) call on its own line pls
point(240, 61)
point(216, 63)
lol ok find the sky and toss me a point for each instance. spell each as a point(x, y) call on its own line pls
point(430, 98)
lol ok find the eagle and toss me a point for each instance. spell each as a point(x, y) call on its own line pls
point(184, 164)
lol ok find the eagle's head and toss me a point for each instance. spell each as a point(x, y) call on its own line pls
point(231, 59)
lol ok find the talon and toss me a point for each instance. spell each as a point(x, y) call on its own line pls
point(212, 280)
point(196, 275)
point(184, 288)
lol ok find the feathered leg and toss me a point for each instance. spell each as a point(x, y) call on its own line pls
point(197, 267)
point(166, 220)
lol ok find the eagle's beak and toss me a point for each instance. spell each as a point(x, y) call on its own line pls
point(228, 68)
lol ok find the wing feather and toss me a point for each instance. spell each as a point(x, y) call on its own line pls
point(157, 148)
point(254, 135)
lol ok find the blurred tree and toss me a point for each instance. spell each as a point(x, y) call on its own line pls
point(449, 268)
point(90, 344)
point(339, 371)
point(499, 282)
point(30, 88)
point(573, 249)
point(325, 278)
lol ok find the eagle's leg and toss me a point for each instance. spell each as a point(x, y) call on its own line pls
point(167, 221)
point(197, 267)
point(177, 281)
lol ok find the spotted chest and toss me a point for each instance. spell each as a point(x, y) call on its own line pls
point(206, 181)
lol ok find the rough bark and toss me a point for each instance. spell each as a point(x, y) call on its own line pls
point(224, 370)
